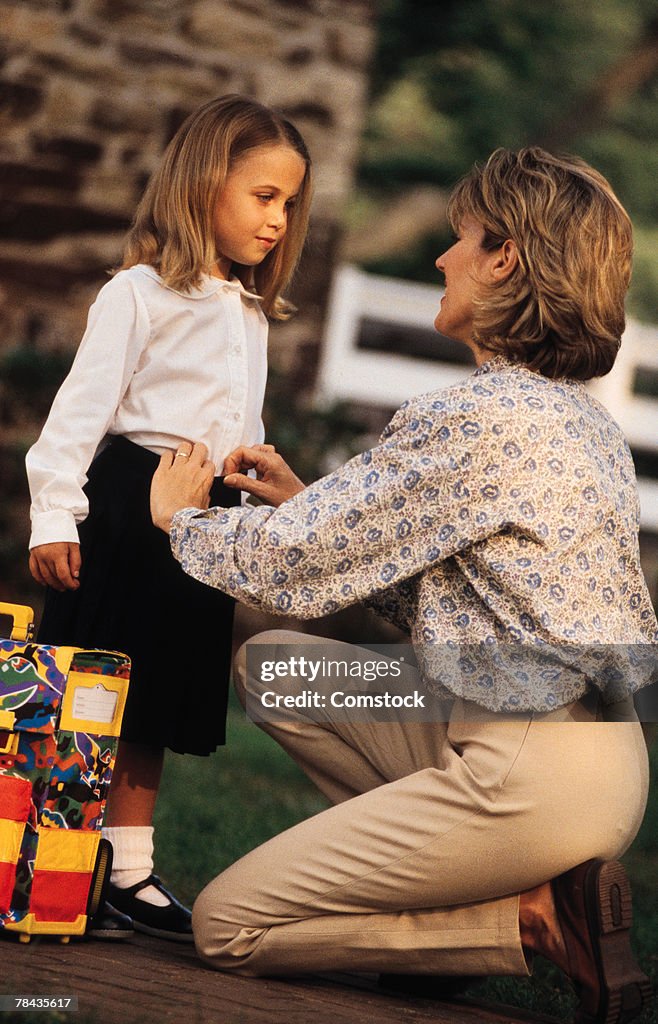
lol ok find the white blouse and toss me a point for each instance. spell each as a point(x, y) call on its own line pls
point(158, 366)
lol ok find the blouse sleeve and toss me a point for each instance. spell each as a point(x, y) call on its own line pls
point(383, 517)
point(84, 407)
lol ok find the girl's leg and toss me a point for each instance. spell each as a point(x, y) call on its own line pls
point(129, 827)
point(129, 819)
point(135, 783)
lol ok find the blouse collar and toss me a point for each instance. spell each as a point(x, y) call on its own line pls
point(499, 363)
point(207, 286)
point(496, 363)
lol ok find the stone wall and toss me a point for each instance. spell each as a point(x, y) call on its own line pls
point(92, 91)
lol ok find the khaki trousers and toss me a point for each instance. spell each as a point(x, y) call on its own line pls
point(435, 830)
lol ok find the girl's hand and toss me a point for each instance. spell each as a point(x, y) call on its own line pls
point(56, 565)
point(275, 481)
point(182, 480)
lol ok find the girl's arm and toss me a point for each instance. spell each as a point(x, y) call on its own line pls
point(84, 408)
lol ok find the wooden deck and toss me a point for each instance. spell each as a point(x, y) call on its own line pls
point(147, 980)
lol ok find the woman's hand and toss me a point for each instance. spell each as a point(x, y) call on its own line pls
point(182, 480)
point(275, 481)
point(56, 565)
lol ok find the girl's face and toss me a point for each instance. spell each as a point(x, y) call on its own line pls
point(252, 209)
point(466, 266)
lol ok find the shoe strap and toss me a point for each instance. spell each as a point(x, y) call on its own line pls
point(144, 884)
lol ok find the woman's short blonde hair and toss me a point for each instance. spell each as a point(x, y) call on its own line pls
point(173, 226)
point(561, 311)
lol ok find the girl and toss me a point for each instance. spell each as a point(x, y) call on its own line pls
point(175, 348)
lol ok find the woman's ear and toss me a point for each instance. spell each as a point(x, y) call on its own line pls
point(506, 260)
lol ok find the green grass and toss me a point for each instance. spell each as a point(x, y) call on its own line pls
point(213, 810)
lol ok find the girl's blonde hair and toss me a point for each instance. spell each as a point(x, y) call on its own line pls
point(173, 226)
point(561, 311)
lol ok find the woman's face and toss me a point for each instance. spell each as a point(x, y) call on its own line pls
point(466, 266)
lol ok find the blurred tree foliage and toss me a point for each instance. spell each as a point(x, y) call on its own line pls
point(27, 370)
point(453, 81)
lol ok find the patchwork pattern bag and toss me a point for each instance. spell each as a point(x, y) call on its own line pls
point(60, 717)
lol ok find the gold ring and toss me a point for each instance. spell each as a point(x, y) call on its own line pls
point(182, 455)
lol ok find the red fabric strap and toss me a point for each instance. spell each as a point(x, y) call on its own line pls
point(15, 797)
point(59, 895)
point(7, 883)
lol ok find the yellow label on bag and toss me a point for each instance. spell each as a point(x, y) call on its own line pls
point(93, 703)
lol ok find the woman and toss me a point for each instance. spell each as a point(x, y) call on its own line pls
point(500, 514)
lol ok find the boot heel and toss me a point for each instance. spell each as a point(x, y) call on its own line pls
point(628, 1003)
point(615, 899)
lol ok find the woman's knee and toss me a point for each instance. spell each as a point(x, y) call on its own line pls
point(222, 940)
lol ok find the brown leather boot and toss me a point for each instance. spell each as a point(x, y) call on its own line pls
point(593, 904)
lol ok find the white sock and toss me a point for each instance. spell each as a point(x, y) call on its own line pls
point(132, 860)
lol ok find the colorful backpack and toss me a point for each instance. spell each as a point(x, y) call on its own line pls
point(60, 717)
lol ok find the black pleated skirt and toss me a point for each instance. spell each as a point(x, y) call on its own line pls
point(134, 597)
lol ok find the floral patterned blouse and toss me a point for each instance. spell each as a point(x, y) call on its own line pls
point(497, 512)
